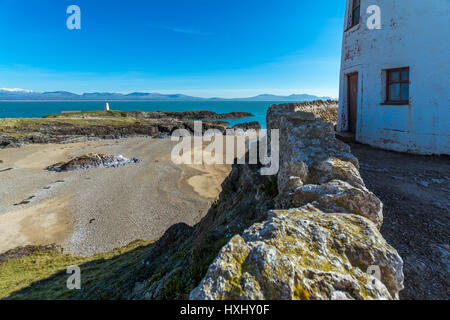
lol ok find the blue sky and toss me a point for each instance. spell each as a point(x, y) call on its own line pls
point(227, 48)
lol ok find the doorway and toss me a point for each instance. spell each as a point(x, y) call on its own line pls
point(352, 95)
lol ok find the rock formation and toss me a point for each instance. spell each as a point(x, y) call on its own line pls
point(325, 110)
point(70, 130)
point(323, 240)
point(91, 161)
point(248, 125)
point(204, 115)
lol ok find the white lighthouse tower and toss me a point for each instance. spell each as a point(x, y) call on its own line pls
point(107, 106)
point(395, 78)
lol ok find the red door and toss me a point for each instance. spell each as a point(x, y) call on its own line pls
point(352, 101)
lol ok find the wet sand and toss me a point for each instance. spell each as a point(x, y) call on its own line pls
point(91, 211)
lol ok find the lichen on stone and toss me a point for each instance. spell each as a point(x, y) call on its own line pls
point(304, 254)
point(324, 237)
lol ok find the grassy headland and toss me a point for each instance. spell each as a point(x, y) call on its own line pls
point(22, 267)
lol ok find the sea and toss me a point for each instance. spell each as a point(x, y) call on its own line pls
point(38, 109)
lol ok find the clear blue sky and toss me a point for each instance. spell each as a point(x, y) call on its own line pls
point(227, 48)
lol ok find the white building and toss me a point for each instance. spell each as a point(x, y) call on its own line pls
point(106, 106)
point(395, 79)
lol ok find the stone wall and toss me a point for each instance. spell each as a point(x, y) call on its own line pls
point(324, 109)
point(323, 239)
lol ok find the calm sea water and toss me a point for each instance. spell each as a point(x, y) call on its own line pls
point(37, 109)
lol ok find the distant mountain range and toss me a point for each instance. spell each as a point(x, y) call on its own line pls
point(20, 94)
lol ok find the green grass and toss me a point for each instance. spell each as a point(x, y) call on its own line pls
point(270, 187)
point(99, 113)
point(51, 265)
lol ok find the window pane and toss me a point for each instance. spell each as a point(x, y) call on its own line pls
point(404, 92)
point(405, 75)
point(356, 3)
point(395, 76)
point(356, 16)
point(394, 90)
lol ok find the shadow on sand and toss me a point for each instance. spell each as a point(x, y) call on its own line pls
point(168, 268)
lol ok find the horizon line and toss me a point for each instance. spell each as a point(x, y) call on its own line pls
point(17, 93)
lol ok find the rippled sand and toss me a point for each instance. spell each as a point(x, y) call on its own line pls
point(100, 209)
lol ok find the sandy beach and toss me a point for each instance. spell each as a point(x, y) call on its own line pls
point(91, 211)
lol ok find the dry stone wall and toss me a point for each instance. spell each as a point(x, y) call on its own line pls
point(323, 239)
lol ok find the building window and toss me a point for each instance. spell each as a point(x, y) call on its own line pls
point(397, 86)
point(356, 12)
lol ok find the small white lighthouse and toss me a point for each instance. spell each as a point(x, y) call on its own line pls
point(107, 106)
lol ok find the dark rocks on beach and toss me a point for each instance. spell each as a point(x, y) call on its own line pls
point(201, 115)
point(158, 115)
point(248, 125)
point(186, 115)
point(91, 161)
point(26, 201)
point(7, 141)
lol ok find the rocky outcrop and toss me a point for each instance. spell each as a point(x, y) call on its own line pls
point(91, 161)
point(304, 253)
point(200, 115)
point(325, 110)
point(248, 126)
point(317, 168)
point(324, 238)
point(158, 115)
point(26, 251)
point(70, 130)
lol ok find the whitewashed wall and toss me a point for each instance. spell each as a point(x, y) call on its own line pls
point(415, 34)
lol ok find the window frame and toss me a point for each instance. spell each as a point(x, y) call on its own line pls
point(353, 8)
point(389, 82)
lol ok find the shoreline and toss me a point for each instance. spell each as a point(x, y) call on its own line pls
point(94, 211)
point(100, 125)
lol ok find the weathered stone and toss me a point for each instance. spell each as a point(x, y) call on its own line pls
point(316, 167)
point(325, 110)
point(336, 169)
point(322, 245)
point(304, 254)
point(336, 196)
point(91, 161)
point(255, 125)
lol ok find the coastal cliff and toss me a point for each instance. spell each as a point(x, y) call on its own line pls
point(323, 238)
point(98, 125)
point(310, 232)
